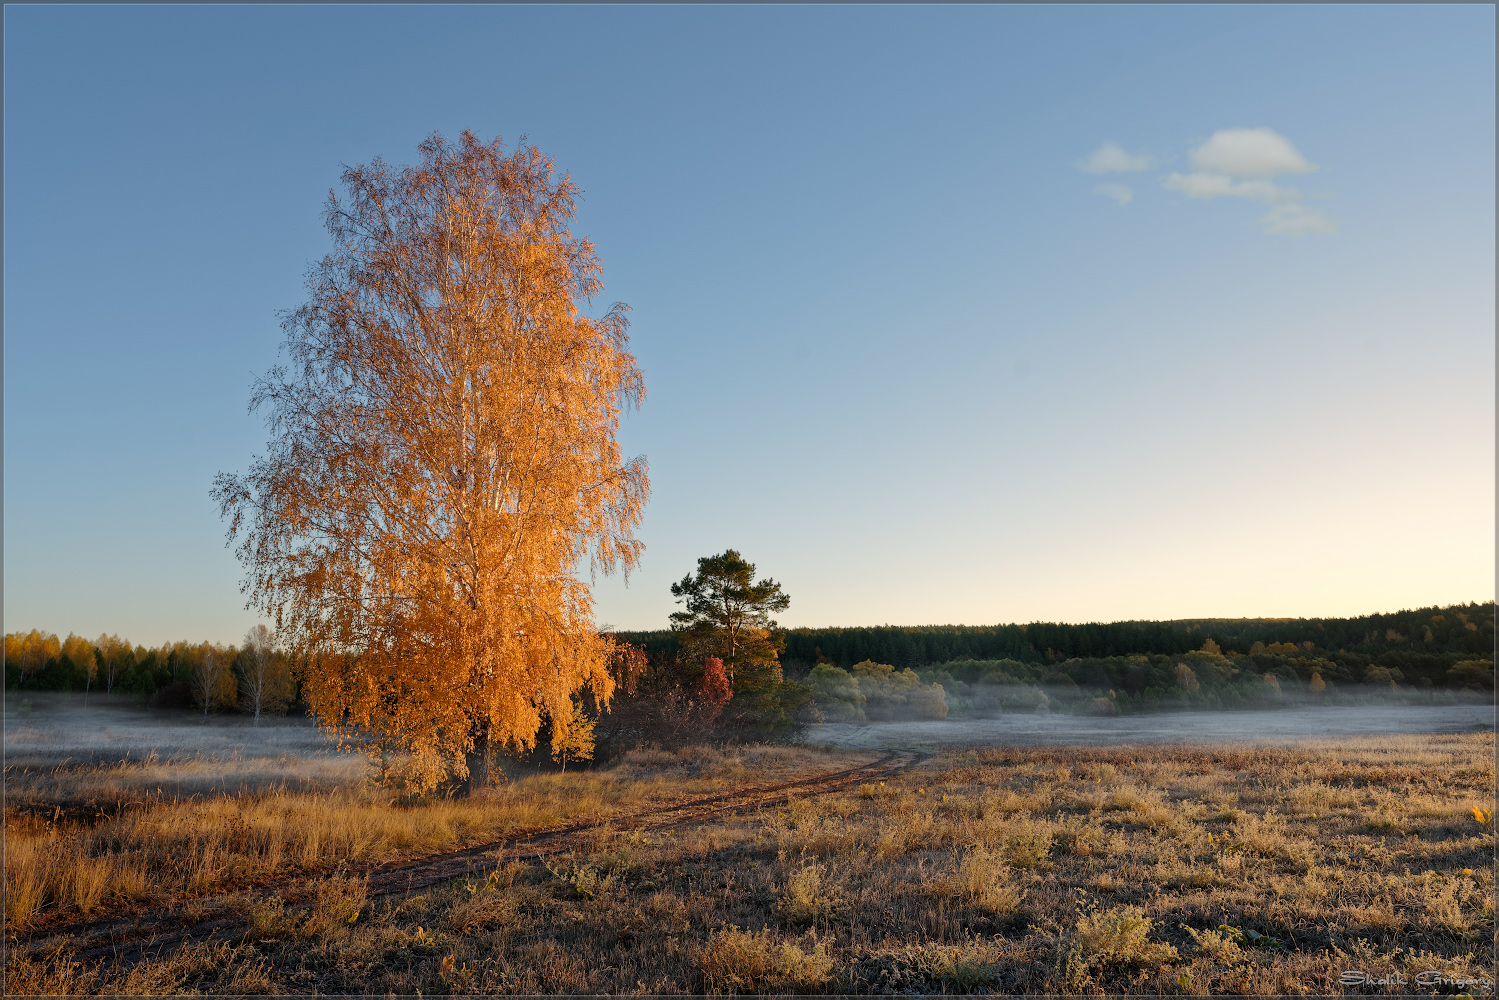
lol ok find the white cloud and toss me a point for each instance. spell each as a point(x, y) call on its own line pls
point(1287, 215)
point(1238, 163)
point(1110, 158)
point(1232, 163)
point(1205, 186)
point(1249, 152)
point(1294, 219)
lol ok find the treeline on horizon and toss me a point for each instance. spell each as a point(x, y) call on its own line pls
point(1422, 643)
point(172, 675)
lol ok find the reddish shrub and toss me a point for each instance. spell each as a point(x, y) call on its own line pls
point(713, 688)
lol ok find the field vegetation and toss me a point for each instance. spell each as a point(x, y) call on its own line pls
point(87, 839)
point(1202, 680)
point(1074, 870)
point(1434, 656)
point(670, 692)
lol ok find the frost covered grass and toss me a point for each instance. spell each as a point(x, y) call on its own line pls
point(1068, 870)
point(81, 840)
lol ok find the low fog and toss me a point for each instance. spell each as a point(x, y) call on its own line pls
point(45, 729)
point(1287, 725)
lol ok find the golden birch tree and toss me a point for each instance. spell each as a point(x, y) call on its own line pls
point(443, 460)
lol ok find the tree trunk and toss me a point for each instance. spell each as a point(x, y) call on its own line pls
point(477, 759)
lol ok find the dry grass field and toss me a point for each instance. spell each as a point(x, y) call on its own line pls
point(1138, 869)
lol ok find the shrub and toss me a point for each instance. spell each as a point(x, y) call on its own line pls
point(1119, 937)
point(1027, 845)
point(713, 688)
point(337, 902)
point(804, 898)
point(1478, 674)
point(266, 918)
point(983, 880)
point(738, 961)
point(928, 702)
point(836, 693)
point(1078, 836)
point(875, 691)
point(1216, 945)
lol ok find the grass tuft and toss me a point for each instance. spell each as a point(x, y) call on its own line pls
point(1120, 937)
point(738, 961)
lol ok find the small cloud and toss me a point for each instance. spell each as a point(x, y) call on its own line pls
point(1293, 219)
point(1205, 186)
point(1121, 193)
point(1249, 152)
point(1238, 163)
point(1110, 158)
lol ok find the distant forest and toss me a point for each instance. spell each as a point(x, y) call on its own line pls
point(1421, 647)
point(1422, 642)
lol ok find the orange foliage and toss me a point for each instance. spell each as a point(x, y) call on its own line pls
point(714, 688)
point(29, 652)
point(81, 653)
point(443, 458)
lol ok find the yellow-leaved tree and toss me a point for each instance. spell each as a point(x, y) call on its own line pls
point(443, 460)
point(572, 738)
point(80, 652)
point(115, 657)
point(29, 652)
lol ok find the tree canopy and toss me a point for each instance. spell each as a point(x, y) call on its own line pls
point(443, 458)
point(727, 612)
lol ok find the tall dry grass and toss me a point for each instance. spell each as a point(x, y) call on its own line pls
point(163, 849)
point(1062, 870)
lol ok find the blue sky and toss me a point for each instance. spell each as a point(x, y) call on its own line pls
point(901, 349)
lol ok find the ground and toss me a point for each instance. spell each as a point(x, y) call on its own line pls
point(1280, 864)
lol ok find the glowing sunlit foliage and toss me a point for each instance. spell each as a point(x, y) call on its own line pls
point(443, 457)
point(572, 737)
point(29, 652)
point(80, 652)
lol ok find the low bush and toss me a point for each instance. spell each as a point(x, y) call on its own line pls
point(737, 961)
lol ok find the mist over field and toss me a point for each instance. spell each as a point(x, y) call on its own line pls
point(1052, 808)
point(1288, 727)
point(1198, 852)
point(225, 753)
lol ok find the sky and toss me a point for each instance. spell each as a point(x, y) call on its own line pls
point(949, 314)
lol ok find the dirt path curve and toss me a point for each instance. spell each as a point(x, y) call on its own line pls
point(128, 934)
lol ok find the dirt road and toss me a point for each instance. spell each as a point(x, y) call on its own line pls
point(135, 931)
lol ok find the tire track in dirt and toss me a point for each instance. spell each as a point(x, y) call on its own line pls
point(130, 934)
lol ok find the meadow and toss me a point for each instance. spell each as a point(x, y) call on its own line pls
point(1065, 869)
